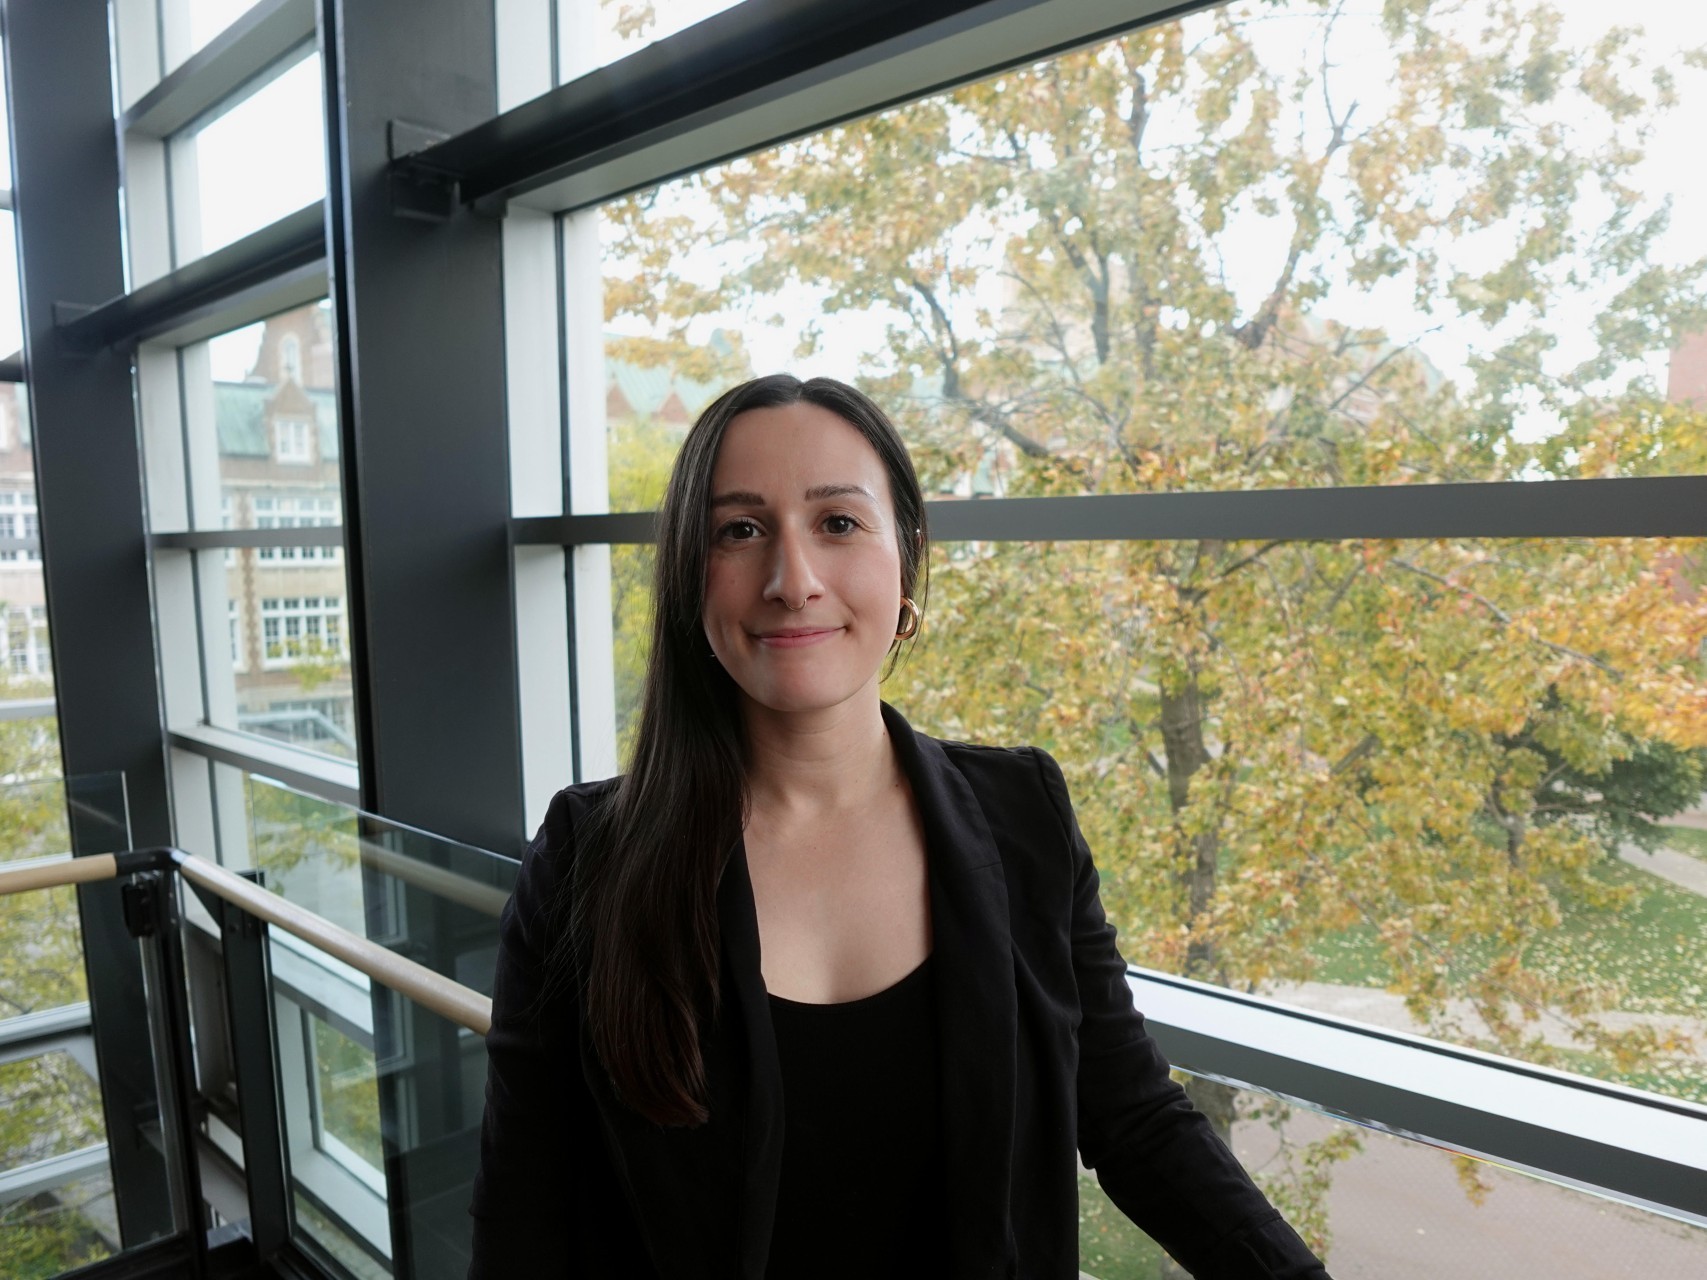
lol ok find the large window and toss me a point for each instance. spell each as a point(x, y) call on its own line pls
point(1272, 245)
point(242, 432)
point(252, 163)
point(1451, 785)
point(593, 33)
point(187, 26)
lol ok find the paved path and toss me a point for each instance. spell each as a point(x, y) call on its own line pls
point(1681, 869)
point(1385, 1009)
point(1398, 1212)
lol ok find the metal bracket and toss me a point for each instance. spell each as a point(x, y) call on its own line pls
point(65, 313)
point(71, 338)
point(235, 920)
point(141, 901)
point(416, 190)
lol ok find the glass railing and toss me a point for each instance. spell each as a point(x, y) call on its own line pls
point(380, 1098)
point(1377, 1204)
point(1400, 1156)
point(57, 1207)
point(346, 1115)
point(306, 1110)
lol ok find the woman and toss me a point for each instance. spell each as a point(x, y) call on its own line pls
point(807, 993)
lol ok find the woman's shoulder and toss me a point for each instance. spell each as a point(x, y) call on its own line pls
point(1011, 777)
point(567, 823)
point(1000, 764)
point(568, 811)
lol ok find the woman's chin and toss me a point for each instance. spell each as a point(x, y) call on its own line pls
point(790, 698)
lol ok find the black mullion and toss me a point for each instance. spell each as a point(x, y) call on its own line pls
point(1635, 507)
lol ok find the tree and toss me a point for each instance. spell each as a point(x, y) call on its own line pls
point(1272, 744)
point(48, 1104)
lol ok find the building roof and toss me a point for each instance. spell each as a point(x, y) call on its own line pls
point(646, 389)
point(240, 418)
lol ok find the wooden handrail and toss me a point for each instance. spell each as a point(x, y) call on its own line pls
point(50, 873)
point(444, 996)
point(449, 999)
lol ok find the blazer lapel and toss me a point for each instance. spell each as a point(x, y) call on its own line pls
point(762, 1126)
point(973, 976)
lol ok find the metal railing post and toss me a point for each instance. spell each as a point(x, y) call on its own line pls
point(151, 915)
point(254, 1053)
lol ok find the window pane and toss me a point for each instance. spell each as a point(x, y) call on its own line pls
point(309, 851)
point(1374, 1204)
point(26, 655)
point(5, 133)
point(11, 308)
point(631, 621)
point(261, 158)
point(1454, 787)
point(32, 798)
point(288, 674)
point(50, 1106)
point(42, 964)
point(349, 1098)
point(1450, 786)
point(205, 19)
point(598, 32)
point(1225, 252)
point(268, 393)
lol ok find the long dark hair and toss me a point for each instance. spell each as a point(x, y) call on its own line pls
point(642, 916)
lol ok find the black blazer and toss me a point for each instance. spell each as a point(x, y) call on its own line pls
point(1042, 1056)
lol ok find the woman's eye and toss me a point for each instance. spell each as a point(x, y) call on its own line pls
point(738, 531)
point(840, 524)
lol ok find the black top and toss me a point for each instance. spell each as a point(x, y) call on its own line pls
point(862, 1190)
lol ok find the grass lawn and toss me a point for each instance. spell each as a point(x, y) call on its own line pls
point(1690, 840)
point(1656, 949)
point(1110, 1247)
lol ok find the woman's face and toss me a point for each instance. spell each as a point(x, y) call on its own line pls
point(803, 577)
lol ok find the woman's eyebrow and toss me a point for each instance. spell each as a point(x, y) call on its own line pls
point(819, 491)
point(747, 498)
point(737, 498)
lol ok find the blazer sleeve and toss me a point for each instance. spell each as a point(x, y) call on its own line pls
point(1155, 1155)
point(546, 1199)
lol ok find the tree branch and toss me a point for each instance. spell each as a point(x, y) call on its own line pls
point(1503, 617)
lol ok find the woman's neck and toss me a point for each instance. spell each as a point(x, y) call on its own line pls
point(818, 762)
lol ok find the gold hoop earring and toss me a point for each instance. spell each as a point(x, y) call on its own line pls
point(914, 618)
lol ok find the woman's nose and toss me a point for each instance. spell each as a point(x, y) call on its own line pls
point(793, 577)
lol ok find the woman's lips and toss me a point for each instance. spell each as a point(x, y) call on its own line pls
point(795, 637)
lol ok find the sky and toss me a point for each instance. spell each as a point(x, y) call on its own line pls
point(264, 157)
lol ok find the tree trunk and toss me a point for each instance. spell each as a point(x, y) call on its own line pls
point(1199, 855)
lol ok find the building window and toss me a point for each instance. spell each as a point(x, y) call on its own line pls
point(293, 440)
point(18, 519)
point(301, 629)
point(234, 620)
point(25, 631)
point(290, 358)
point(297, 513)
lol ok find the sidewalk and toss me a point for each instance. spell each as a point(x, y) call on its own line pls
point(1385, 1009)
point(1681, 869)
